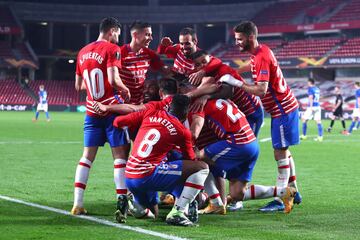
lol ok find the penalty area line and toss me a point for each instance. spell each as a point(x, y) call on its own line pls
point(93, 219)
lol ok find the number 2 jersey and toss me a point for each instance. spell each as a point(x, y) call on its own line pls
point(159, 132)
point(279, 99)
point(92, 63)
point(227, 121)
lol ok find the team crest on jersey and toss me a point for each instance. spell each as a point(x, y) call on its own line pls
point(117, 56)
point(264, 72)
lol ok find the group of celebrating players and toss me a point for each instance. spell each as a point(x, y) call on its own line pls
point(201, 132)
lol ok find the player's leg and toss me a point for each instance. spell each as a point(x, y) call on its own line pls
point(255, 120)
point(317, 118)
point(357, 125)
point(356, 117)
point(94, 137)
point(284, 133)
point(332, 117)
point(46, 112)
point(120, 147)
point(81, 178)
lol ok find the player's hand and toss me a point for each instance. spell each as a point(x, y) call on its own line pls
point(125, 92)
point(199, 103)
point(227, 78)
point(99, 108)
point(196, 78)
point(166, 42)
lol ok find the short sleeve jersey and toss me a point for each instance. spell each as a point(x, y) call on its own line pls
point(92, 63)
point(279, 99)
point(159, 132)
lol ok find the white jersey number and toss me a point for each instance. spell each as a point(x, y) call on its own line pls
point(147, 144)
point(229, 109)
point(95, 83)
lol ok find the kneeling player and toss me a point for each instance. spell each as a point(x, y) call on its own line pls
point(234, 155)
point(147, 172)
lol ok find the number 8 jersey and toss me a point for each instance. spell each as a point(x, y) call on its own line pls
point(159, 132)
point(92, 63)
point(279, 99)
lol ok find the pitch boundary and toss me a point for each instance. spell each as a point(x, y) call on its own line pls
point(93, 219)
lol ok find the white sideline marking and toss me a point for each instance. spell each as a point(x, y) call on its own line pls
point(93, 219)
point(41, 142)
point(265, 139)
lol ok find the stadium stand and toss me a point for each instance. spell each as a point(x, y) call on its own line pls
point(308, 48)
point(350, 48)
point(59, 92)
point(12, 93)
point(350, 11)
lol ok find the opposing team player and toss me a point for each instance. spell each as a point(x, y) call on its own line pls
point(313, 111)
point(278, 100)
point(42, 104)
point(356, 112)
point(147, 172)
point(137, 59)
point(338, 111)
point(181, 52)
point(97, 66)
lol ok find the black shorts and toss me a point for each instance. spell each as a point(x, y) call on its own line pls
point(338, 113)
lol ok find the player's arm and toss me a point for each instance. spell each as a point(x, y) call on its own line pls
point(79, 83)
point(166, 47)
point(197, 78)
point(258, 89)
point(116, 82)
point(132, 121)
point(208, 86)
point(338, 102)
point(197, 124)
point(186, 146)
point(311, 101)
point(121, 109)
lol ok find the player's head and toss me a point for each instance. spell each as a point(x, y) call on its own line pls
point(201, 59)
point(185, 87)
point(110, 28)
point(167, 86)
point(188, 41)
point(357, 84)
point(337, 89)
point(311, 82)
point(141, 33)
point(41, 87)
point(179, 106)
point(245, 35)
point(151, 91)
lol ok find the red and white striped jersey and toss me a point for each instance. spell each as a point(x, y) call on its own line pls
point(247, 103)
point(182, 64)
point(91, 64)
point(159, 132)
point(279, 98)
point(164, 104)
point(227, 121)
point(134, 66)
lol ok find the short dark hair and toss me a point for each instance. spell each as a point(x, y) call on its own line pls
point(188, 31)
point(357, 84)
point(139, 25)
point(180, 106)
point(168, 86)
point(107, 23)
point(311, 80)
point(198, 54)
point(246, 27)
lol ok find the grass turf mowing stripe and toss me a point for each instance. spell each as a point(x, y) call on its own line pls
point(93, 219)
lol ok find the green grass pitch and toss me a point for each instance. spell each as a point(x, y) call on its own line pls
point(38, 161)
